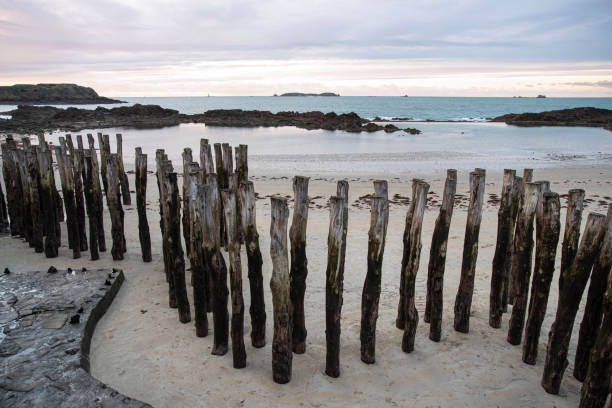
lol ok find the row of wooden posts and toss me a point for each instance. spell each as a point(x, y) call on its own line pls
point(218, 203)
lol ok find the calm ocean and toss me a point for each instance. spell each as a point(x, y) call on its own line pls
point(416, 108)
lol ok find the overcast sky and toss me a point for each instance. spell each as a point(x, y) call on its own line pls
point(425, 47)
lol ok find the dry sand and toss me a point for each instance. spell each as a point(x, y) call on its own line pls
point(141, 349)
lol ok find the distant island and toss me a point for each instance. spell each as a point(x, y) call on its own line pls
point(308, 94)
point(23, 94)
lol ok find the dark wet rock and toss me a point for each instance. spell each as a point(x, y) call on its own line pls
point(52, 269)
point(32, 119)
point(593, 117)
point(46, 361)
point(7, 271)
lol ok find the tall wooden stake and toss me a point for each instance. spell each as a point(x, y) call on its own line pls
point(187, 160)
point(527, 178)
point(575, 278)
point(251, 240)
point(437, 257)
point(91, 201)
point(412, 265)
point(280, 287)
point(48, 197)
point(140, 175)
point(548, 214)
point(463, 301)
point(593, 310)
point(69, 201)
point(199, 268)
point(517, 188)
point(97, 191)
point(299, 263)
point(113, 201)
point(504, 234)
point(233, 243)
point(401, 318)
point(123, 178)
point(379, 218)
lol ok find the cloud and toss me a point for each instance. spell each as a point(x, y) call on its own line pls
point(602, 84)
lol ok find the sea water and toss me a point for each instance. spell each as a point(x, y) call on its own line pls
point(286, 151)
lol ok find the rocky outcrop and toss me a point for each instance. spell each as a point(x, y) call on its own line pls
point(594, 117)
point(51, 94)
point(32, 119)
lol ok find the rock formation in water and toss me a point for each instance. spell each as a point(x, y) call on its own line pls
point(51, 94)
point(593, 117)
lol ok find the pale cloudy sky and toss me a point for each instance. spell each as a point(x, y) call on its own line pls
point(233, 47)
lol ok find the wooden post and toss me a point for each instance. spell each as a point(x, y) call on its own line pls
point(218, 270)
point(575, 278)
point(593, 310)
point(12, 182)
point(521, 261)
point(251, 241)
point(91, 201)
point(411, 315)
point(31, 156)
point(48, 196)
point(187, 160)
point(437, 257)
point(74, 165)
point(233, 244)
point(4, 221)
point(222, 182)
point(199, 268)
point(159, 175)
point(334, 286)
point(299, 263)
point(527, 178)
point(206, 160)
point(24, 178)
point(69, 201)
point(175, 249)
point(548, 214)
point(242, 164)
point(140, 175)
point(401, 318)
point(571, 236)
point(596, 386)
point(463, 301)
point(504, 233)
point(123, 179)
point(280, 287)
point(517, 188)
point(104, 143)
point(379, 218)
point(113, 201)
point(97, 193)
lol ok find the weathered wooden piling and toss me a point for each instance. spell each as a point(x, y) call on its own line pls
point(31, 157)
point(282, 354)
point(74, 165)
point(69, 200)
point(123, 178)
point(437, 257)
point(22, 169)
point(504, 242)
point(97, 192)
point(527, 178)
point(91, 202)
point(463, 300)
point(4, 220)
point(251, 241)
point(411, 316)
point(521, 261)
point(575, 278)
point(175, 248)
point(334, 286)
point(206, 161)
point(400, 319)
point(548, 214)
point(222, 182)
point(113, 201)
point(517, 188)
point(242, 162)
point(379, 218)
point(593, 310)
point(12, 182)
point(140, 175)
point(235, 270)
point(596, 386)
point(48, 197)
point(571, 236)
point(104, 142)
point(187, 160)
point(199, 268)
point(299, 263)
point(218, 270)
